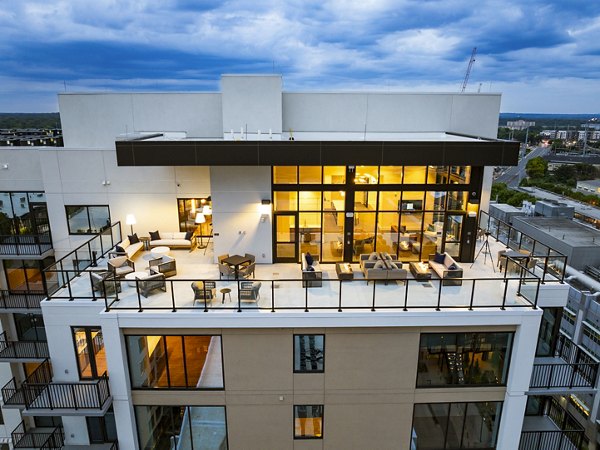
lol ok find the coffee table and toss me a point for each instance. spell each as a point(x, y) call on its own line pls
point(158, 252)
point(344, 271)
point(420, 270)
point(130, 277)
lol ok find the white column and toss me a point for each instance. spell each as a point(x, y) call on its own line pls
point(521, 365)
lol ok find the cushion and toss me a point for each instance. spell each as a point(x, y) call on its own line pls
point(452, 267)
point(309, 259)
point(310, 268)
point(133, 239)
point(118, 261)
point(119, 249)
point(188, 235)
point(154, 235)
point(373, 256)
point(379, 265)
point(439, 258)
point(386, 256)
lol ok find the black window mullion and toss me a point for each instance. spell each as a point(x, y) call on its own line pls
point(184, 357)
point(164, 339)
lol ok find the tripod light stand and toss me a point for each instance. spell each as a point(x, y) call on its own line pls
point(485, 247)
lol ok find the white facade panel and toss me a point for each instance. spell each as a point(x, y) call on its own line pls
point(22, 172)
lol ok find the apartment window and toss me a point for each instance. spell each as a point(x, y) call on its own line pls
point(87, 219)
point(175, 362)
point(308, 421)
point(463, 359)
point(188, 208)
point(182, 427)
point(591, 339)
point(455, 425)
point(309, 353)
point(89, 347)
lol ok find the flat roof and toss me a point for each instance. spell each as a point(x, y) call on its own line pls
point(571, 232)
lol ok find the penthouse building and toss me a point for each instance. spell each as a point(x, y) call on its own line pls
point(256, 269)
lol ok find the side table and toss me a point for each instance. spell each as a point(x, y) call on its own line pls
point(420, 270)
point(146, 241)
point(344, 271)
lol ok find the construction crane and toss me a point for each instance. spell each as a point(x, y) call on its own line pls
point(471, 61)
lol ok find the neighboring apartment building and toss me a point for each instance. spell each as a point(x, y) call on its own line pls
point(519, 124)
point(188, 358)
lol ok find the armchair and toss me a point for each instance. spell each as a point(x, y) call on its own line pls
point(226, 270)
point(251, 256)
point(120, 266)
point(246, 271)
point(102, 281)
point(204, 290)
point(250, 290)
point(165, 265)
point(222, 257)
point(149, 284)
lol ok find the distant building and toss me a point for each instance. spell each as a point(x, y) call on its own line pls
point(519, 124)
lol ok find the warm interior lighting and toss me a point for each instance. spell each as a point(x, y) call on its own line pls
point(472, 208)
point(207, 210)
point(199, 218)
point(130, 220)
point(264, 209)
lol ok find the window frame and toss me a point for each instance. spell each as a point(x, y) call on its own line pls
point(302, 438)
point(88, 330)
point(294, 353)
point(90, 232)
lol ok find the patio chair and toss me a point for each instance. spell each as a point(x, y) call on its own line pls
point(222, 257)
point(250, 291)
point(151, 283)
point(226, 270)
point(105, 280)
point(202, 289)
point(120, 266)
point(251, 257)
point(165, 265)
point(246, 271)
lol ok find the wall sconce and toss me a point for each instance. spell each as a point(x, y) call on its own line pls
point(130, 220)
point(265, 209)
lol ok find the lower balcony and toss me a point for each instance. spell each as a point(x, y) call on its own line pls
point(17, 301)
point(22, 351)
point(38, 395)
point(38, 438)
point(555, 376)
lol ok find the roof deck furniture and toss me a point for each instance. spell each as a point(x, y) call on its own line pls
point(120, 266)
point(236, 261)
point(510, 260)
point(344, 271)
point(246, 271)
point(131, 277)
point(420, 270)
point(222, 257)
point(129, 249)
point(448, 269)
point(225, 291)
point(204, 290)
point(174, 239)
point(312, 275)
point(158, 252)
point(165, 265)
point(250, 290)
point(225, 270)
point(383, 269)
point(102, 281)
point(151, 283)
point(251, 256)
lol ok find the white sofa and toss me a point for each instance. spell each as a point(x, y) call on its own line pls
point(130, 249)
point(174, 239)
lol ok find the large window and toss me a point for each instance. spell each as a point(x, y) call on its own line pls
point(181, 427)
point(25, 275)
point(308, 421)
point(23, 213)
point(189, 208)
point(463, 359)
point(87, 219)
point(91, 355)
point(175, 362)
point(309, 353)
point(455, 425)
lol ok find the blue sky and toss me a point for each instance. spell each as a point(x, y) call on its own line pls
point(543, 55)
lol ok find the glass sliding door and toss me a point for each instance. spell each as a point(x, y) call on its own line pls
point(91, 357)
point(286, 237)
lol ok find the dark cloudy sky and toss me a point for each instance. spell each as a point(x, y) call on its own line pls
point(543, 55)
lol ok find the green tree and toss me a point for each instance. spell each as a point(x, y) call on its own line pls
point(536, 167)
point(565, 174)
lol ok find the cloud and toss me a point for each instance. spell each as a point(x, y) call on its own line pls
point(179, 45)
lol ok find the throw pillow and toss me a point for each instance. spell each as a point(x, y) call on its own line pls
point(154, 236)
point(309, 259)
point(373, 256)
point(133, 239)
point(119, 249)
point(189, 235)
point(439, 258)
point(379, 265)
point(452, 267)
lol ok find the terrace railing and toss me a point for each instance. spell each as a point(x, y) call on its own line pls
point(21, 300)
point(26, 350)
point(39, 392)
point(22, 437)
point(55, 441)
point(25, 244)
point(552, 263)
point(60, 274)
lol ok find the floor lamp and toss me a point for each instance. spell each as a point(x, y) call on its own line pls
point(200, 219)
point(130, 220)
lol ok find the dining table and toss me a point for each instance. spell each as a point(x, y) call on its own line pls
point(236, 261)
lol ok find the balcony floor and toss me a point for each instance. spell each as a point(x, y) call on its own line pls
point(356, 294)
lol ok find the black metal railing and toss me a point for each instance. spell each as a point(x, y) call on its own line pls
point(114, 446)
point(39, 392)
point(60, 274)
point(549, 261)
point(55, 441)
point(567, 375)
point(25, 244)
point(22, 437)
point(22, 349)
point(551, 440)
point(21, 300)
